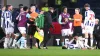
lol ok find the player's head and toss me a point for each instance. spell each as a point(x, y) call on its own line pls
point(65, 9)
point(87, 6)
point(3, 8)
point(9, 7)
point(21, 9)
point(77, 10)
point(21, 5)
point(32, 9)
point(25, 8)
point(41, 12)
point(51, 9)
point(96, 21)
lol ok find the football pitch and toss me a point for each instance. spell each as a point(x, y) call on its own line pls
point(51, 51)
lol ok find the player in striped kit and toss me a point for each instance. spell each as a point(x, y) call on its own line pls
point(9, 30)
point(2, 18)
point(89, 24)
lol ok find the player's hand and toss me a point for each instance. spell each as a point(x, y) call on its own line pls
point(52, 26)
point(66, 20)
point(77, 19)
point(31, 19)
point(70, 19)
point(38, 29)
point(63, 22)
point(28, 24)
point(34, 17)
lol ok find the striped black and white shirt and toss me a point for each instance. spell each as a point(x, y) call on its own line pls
point(8, 19)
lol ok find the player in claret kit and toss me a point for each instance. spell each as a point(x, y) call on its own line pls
point(64, 21)
point(89, 24)
point(22, 21)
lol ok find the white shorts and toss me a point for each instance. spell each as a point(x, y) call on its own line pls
point(83, 31)
point(66, 32)
point(9, 30)
point(22, 30)
point(89, 29)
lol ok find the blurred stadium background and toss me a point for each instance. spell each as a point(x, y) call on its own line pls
point(57, 4)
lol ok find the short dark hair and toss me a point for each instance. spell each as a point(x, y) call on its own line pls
point(63, 8)
point(86, 5)
point(51, 8)
point(8, 6)
point(20, 5)
point(33, 5)
point(25, 8)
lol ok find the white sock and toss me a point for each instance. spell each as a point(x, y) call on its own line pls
point(10, 41)
point(25, 41)
point(81, 44)
point(22, 42)
point(18, 43)
point(14, 42)
point(36, 45)
point(91, 40)
point(6, 43)
point(86, 42)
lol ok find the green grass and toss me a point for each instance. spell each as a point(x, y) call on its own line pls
point(52, 51)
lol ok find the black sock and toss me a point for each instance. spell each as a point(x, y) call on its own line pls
point(38, 43)
point(31, 42)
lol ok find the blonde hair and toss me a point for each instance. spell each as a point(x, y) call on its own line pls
point(77, 9)
point(33, 7)
point(97, 20)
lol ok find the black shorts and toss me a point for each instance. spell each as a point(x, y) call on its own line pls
point(77, 31)
point(31, 30)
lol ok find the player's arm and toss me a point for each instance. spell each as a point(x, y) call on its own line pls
point(2, 20)
point(28, 15)
point(77, 19)
point(59, 20)
point(32, 18)
point(69, 18)
point(93, 19)
point(85, 22)
point(18, 17)
point(86, 18)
